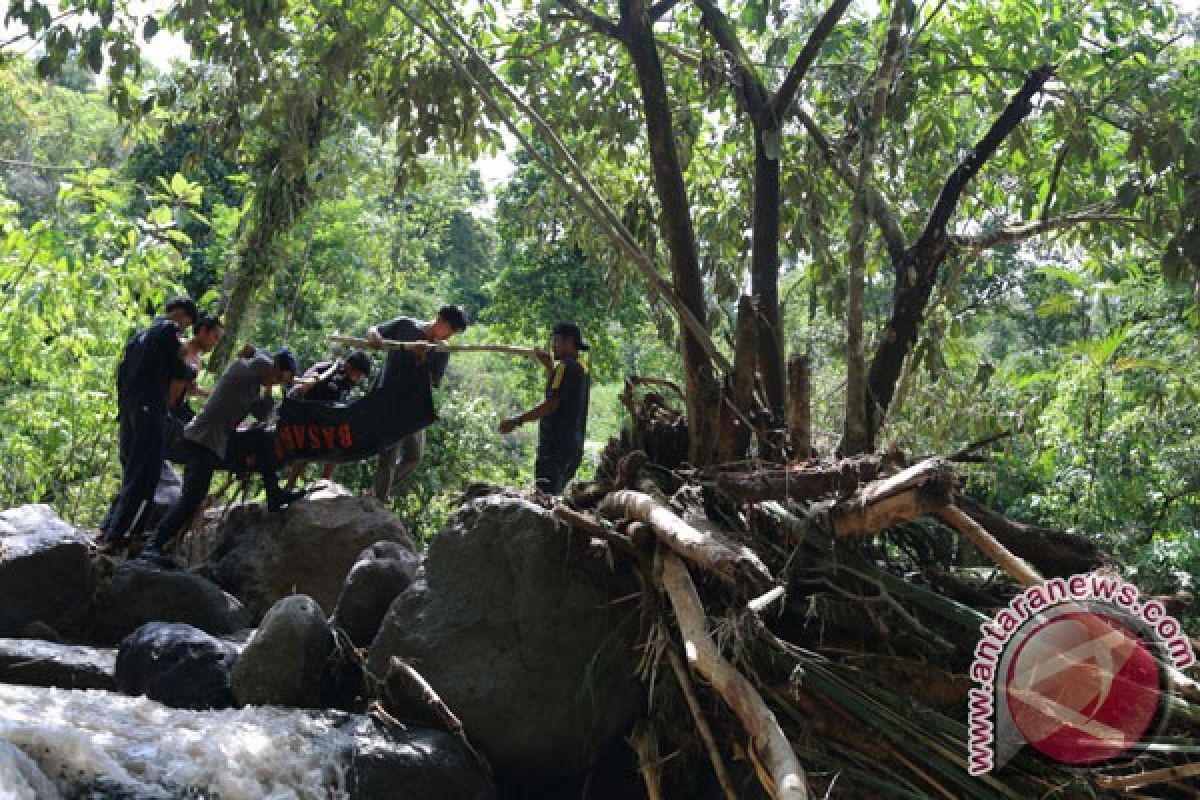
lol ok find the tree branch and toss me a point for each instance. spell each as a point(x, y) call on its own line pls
point(1017, 233)
point(749, 85)
point(590, 18)
point(1017, 109)
point(889, 225)
point(808, 54)
point(660, 9)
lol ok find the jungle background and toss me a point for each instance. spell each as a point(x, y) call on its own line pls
point(311, 170)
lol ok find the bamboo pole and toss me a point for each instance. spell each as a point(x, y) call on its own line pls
point(785, 779)
point(706, 733)
point(953, 516)
point(443, 347)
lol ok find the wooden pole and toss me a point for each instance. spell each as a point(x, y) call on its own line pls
point(800, 405)
point(443, 347)
point(785, 779)
point(729, 561)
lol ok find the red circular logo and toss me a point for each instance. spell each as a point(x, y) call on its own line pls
point(1082, 688)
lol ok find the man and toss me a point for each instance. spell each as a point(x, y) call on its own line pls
point(329, 383)
point(399, 461)
point(152, 359)
point(562, 415)
point(214, 442)
point(206, 335)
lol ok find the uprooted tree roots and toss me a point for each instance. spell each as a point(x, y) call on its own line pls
point(806, 637)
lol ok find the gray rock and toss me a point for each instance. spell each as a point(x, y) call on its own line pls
point(308, 548)
point(45, 570)
point(513, 627)
point(138, 592)
point(37, 663)
point(284, 664)
point(414, 764)
point(382, 571)
point(177, 665)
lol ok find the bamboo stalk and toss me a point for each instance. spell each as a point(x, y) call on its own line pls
point(645, 744)
point(442, 347)
point(1137, 781)
point(954, 516)
point(706, 734)
point(786, 777)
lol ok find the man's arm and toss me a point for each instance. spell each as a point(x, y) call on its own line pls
point(542, 409)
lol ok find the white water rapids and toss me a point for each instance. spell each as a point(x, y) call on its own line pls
point(56, 743)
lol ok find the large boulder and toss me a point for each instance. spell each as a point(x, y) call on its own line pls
point(177, 665)
point(45, 570)
point(308, 548)
point(38, 663)
point(285, 662)
point(138, 592)
point(382, 571)
point(513, 627)
point(413, 764)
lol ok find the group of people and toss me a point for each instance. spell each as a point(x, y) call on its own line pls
point(157, 377)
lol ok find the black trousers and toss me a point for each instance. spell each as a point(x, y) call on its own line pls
point(141, 454)
point(556, 464)
point(252, 448)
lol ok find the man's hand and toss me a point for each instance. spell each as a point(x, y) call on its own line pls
point(509, 425)
point(374, 340)
point(247, 351)
point(546, 357)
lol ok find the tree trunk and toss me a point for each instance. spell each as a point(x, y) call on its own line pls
point(703, 391)
point(800, 406)
point(764, 274)
point(735, 433)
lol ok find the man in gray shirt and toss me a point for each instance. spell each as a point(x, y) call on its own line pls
point(213, 441)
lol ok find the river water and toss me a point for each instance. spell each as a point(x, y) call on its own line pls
point(59, 744)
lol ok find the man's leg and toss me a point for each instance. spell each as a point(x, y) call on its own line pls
point(548, 470)
point(385, 470)
point(255, 447)
point(197, 478)
point(412, 449)
point(143, 467)
point(123, 436)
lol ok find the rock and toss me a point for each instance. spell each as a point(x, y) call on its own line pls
point(39, 663)
point(45, 570)
point(306, 549)
point(382, 571)
point(284, 664)
point(513, 626)
point(138, 592)
point(177, 665)
point(415, 764)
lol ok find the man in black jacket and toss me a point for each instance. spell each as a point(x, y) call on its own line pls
point(328, 383)
point(562, 415)
point(401, 460)
point(152, 359)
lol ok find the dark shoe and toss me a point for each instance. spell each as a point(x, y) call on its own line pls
point(158, 558)
point(280, 501)
point(109, 545)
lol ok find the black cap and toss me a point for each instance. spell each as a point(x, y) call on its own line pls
point(360, 361)
point(284, 360)
point(571, 330)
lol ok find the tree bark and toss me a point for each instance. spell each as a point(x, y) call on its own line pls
point(1054, 553)
point(798, 483)
point(764, 273)
point(800, 406)
point(738, 404)
point(703, 392)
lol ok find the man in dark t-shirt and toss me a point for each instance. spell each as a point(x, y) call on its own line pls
point(400, 460)
point(562, 415)
point(328, 383)
point(152, 359)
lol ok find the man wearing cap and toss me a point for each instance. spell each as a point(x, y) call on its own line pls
point(214, 442)
point(151, 360)
point(562, 415)
point(329, 383)
point(400, 460)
